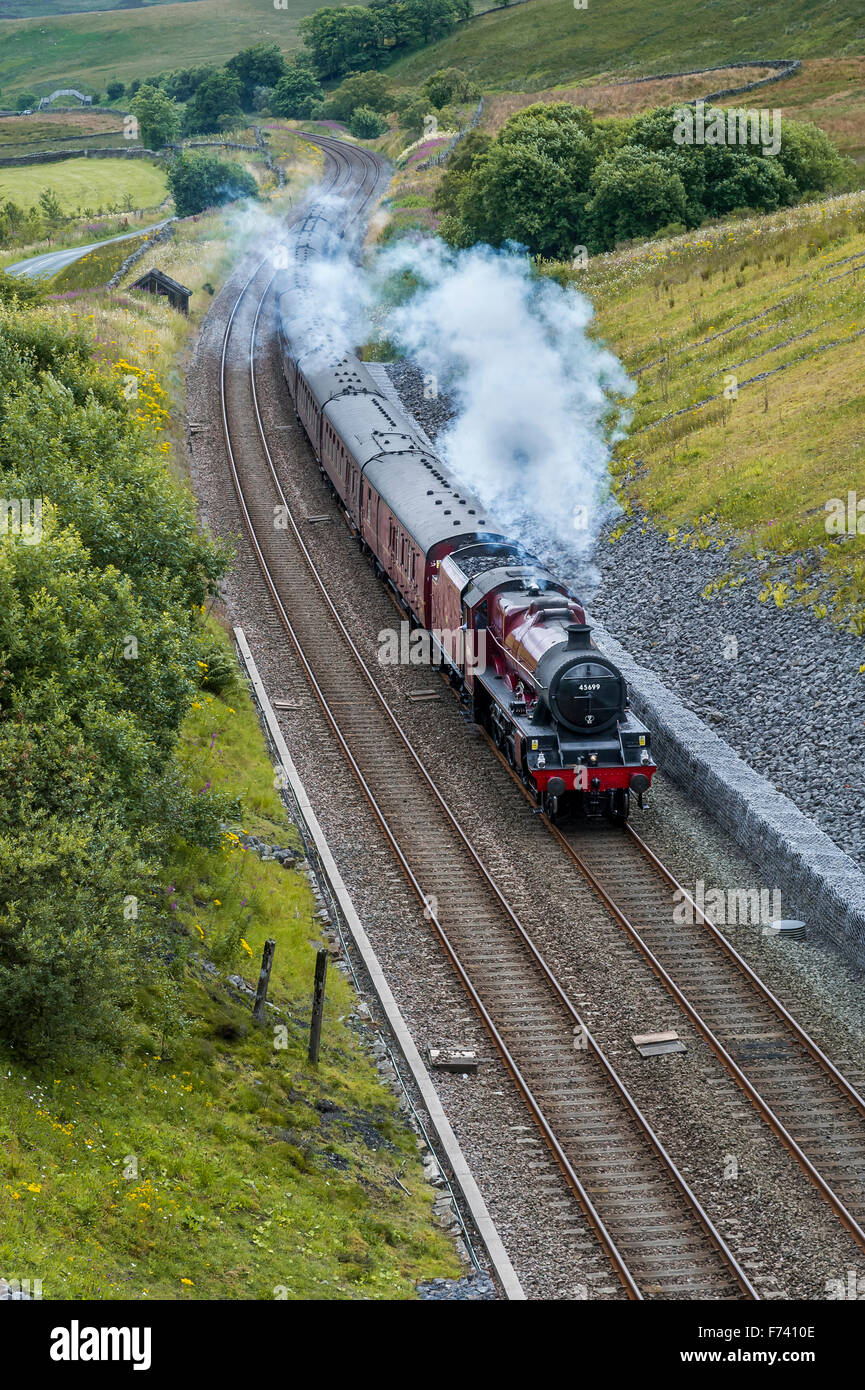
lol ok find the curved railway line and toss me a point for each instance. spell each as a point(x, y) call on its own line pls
point(657, 1236)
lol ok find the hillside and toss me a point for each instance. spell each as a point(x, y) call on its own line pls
point(745, 340)
point(545, 42)
point(91, 49)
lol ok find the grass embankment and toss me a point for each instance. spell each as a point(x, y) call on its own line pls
point(711, 311)
point(89, 50)
point(221, 1165)
point(215, 1162)
point(83, 183)
point(544, 43)
point(828, 91)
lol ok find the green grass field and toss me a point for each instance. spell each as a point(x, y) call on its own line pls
point(548, 42)
point(91, 49)
point(86, 183)
point(31, 9)
point(712, 311)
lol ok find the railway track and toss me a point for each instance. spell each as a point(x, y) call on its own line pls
point(658, 1238)
point(816, 1112)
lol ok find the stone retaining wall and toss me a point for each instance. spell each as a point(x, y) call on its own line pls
point(54, 156)
point(819, 883)
point(135, 256)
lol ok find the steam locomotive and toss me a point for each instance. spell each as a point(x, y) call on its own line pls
point(512, 639)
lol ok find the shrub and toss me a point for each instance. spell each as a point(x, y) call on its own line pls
point(199, 181)
point(367, 124)
point(295, 94)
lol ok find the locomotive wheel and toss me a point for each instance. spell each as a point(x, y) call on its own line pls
point(550, 805)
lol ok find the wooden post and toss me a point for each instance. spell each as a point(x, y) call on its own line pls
point(317, 1004)
point(263, 979)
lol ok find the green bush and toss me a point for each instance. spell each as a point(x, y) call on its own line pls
point(103, 576)
point(199, 181)
point(555, 178)
point(367, 124)
point(295, 94)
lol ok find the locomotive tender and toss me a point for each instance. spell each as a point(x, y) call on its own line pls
point(513, 640)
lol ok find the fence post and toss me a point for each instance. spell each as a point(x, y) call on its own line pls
point(317, 1004)
point(263, 979)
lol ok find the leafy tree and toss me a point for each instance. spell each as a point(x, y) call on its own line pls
point(183, 83)
point(296, 93)
point(217, 96)
point(412, 116)
point(368, 89)
point(740, 177)
point(261, 65)
point(52, 212)
point(342, 40)
point(352, 38)
point(458, 170)
point(634, 193)
point(366, 124)
point(88, 728)
point(450, 85)
point(199, 181)
point(26, 101)
point(114, 91)
point(808, 156)
point(158, 117)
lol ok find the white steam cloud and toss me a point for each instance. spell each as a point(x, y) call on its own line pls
point(537, 403)
point(534, 394)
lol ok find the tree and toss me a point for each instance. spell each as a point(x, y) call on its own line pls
point(635, 192)
point(458, 168)
point(261, 65)
point(531, 186)
point(366, 124)
point(26, 101)
point(199, 181)
point(450, 85)
point(741, 177)
point(52, 212)
point(808, 156)
point(183, 83)
point(342, 40)
point(157, 115)
point(295, 94)
point(519, 193)
point(114, 91)
point(217, 96)
point(368, 89)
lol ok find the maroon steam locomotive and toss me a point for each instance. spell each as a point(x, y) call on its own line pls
point(511, 637)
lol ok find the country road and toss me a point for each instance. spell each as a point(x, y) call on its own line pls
point(50, 262)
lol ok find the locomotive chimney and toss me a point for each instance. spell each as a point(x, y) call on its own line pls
point(578, 637)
